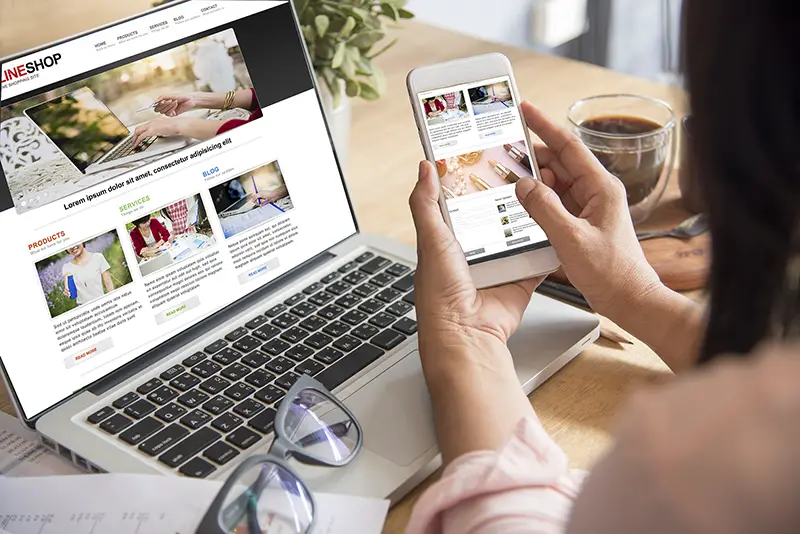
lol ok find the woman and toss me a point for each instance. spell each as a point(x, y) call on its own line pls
point(148, 235)
point(718, 449)
point(90, 272)
point(200, 129)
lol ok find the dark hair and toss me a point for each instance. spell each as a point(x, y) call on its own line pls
point(141, 220)
point(740, 60)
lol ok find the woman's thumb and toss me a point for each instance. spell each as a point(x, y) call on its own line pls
point(546, 208)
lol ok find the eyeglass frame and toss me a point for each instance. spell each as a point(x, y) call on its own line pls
point(285, 449)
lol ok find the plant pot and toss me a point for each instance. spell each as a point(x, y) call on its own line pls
point(339, 120)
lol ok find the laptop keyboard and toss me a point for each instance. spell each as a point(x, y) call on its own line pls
point(126, 148)
point(201, 413)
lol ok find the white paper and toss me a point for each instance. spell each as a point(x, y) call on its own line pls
point(21, 454)
point(135, 504)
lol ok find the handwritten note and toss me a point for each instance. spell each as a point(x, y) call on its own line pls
point(21, 455)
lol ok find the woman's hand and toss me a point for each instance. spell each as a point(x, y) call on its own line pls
point(583, 210)
point(172, 106)
point(265, 197)
point(157, 128)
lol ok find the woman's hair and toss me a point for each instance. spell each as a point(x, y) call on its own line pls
point(141, 220)
point(740, 60)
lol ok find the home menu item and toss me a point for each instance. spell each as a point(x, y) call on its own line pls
point(153, 173)
point(478, 141)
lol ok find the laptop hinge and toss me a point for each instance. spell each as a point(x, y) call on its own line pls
point(178, 342)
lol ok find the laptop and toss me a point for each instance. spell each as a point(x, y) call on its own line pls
point(179, 374)
point(98, 140)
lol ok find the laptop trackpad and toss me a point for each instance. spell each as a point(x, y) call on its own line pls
point(395, 412)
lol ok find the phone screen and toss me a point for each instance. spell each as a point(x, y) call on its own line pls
point(480, 150)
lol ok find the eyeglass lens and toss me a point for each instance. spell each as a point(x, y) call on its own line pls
point(319, 426)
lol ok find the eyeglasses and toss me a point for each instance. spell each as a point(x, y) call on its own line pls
point(263, 494)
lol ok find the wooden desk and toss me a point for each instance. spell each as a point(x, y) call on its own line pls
point(577, 405)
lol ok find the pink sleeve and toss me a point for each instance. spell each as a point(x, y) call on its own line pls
point(525, 487)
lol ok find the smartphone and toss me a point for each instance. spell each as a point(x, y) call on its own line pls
point(469, 122)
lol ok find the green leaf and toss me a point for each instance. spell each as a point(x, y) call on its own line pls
point(300, 6)
point(405, 14)
point(390, 11)
point(367, 39)
point(348, 66)
point(378, 79)
point(352, 88)
point(368, 91)
point(322, 23)
point(308, 34)
point(329, 76)
point(364, 67)
point(384, 49)
point(326, 50)
point(339, 56)
point(348, 27)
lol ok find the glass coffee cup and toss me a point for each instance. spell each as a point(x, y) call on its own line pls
point(634, 139)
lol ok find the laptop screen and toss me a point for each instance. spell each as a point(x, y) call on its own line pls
point(241, 186)
point(80, 125)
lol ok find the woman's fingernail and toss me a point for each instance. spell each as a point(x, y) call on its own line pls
point(524, 187)
point(423, 169)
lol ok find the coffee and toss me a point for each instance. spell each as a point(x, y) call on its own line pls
point(637, 161)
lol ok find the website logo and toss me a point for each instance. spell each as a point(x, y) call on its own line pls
point(23, 72)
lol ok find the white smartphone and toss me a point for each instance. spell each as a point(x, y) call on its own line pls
point(470, 125)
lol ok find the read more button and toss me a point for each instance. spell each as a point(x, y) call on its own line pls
point(178, 310)
point(88, 353)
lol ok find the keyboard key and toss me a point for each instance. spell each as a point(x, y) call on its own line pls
point(285, 320)
point(141, 431)
point(226, 422)
point(339, 288)
point(347, 267)
point(313, 323)
point(405, 283)
point(349, 366)
point(318, 340)
point(382, 320)
point(275, 347)
point(336, 329)
point(409, 298)
point(388, 295)
point(365, 331)
point(248, 408)
point(236, 334)
point(331, 312)
point(216, 346)
point(149, 386)
point(375, 264)
point(194, 359)
point(327, 279)
point(304, 309)
point(140, 408)
point(398, 269)
point(299, 352)
point(235, 372)
point(309, 367)
point(197, 468)
point(246, 344)
point(371, 306)
point(364, 257)
point(170, 412)
point(406, 326)
point(328, 355)
point(259, 378)
point(162, 395)
point(226, 356)
point(125, 400)
point(355, 278)
point(206, 369)
point(294, 335)
point(220, 453)
point(269, 394)
point(346, 343)
point(217, 405)
point(276, 310)
point(163, 440)
point(192, 398)
point(239, 391)
point(100, 414)
point(266, 332)
point(184, 382)
point(294, 299)
point(190, 446)
point(381, 280)
point(321, 298)
point(255, 359)
point(287, 381)
point(214, 385)
point(348, 301)
point(195, 419)
point(279, 365)
point(354, 317)
point(400, 308)
point(388, 339)
point(365, 290)
point(255, 322)
point(243, 437)
point(262, 422)
point(313, 288)
point(116, 423)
